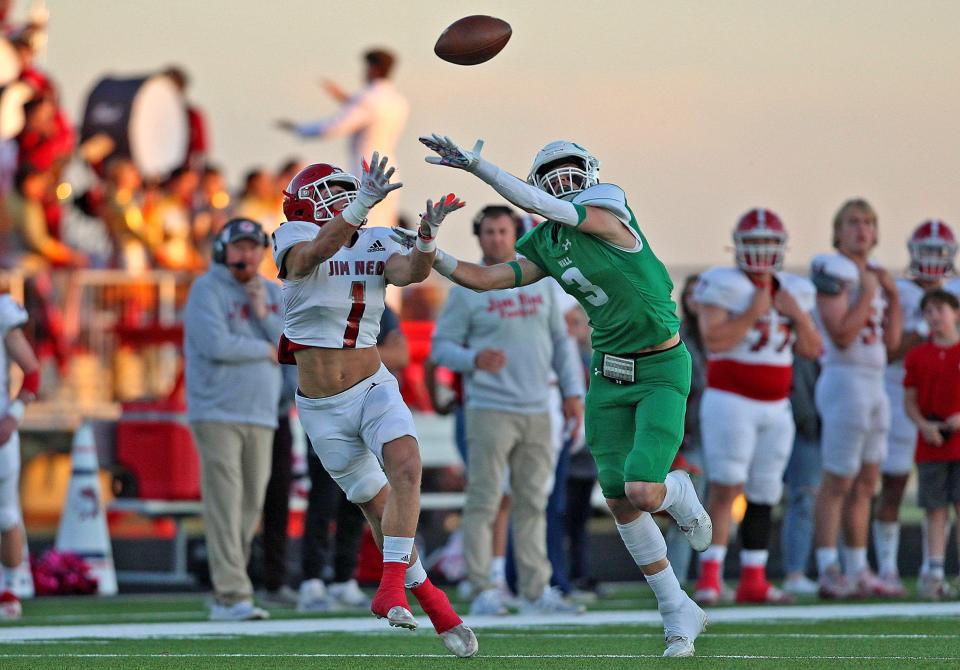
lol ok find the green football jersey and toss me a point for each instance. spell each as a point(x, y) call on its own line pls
point(627, 295)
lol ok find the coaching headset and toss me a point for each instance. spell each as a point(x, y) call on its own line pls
point(235, 230)
point(497, 210)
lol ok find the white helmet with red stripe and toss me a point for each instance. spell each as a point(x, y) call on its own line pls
point(309, 197)
point(760, 241)
point(933, 248)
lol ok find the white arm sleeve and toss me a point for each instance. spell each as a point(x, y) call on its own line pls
point(527, 197)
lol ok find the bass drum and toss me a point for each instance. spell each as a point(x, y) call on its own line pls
point(146, 117)
point(9, 62)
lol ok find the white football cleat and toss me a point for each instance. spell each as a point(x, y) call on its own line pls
point(691, 516)
point(800, 585)
point(488, 603)
point(681, 628)
point(10, 608)
point(312, 597)
point(401, 617)
point(460, 641)
point(348, 594)
point(244, 610)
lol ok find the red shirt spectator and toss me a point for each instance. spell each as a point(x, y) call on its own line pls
point(934, 372)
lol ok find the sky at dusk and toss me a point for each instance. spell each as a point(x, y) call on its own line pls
point(699, 110)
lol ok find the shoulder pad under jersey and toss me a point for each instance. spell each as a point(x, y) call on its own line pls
point(607, 196)
point(832, 273)
point(724, 287)
point(801, 288)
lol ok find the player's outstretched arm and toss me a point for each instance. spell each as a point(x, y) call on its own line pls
point(403, 269)
point(488, 277)
point(591, 220)
point(375, 185)
point(478, 277)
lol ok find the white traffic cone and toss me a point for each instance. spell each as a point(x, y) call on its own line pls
point(83, 524)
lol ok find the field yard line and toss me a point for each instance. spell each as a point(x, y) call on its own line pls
point(817, 636)
point(530, 656)
point(365, 625)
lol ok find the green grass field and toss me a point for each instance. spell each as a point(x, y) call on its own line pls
point(891, 642)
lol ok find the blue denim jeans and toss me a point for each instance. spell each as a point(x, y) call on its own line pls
point(802, 478)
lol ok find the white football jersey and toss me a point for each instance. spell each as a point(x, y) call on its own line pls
point(339, 305)
point(770, 340)
point(912, 319)
point(12, 315)
point(868, 349)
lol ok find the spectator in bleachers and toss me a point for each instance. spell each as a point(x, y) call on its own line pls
point(232, 325)
point(374, 118)
point(258, 200)
point(123, 216)
point(212, 209)
point(32, 247)
point(172, 217)
point(198, 144)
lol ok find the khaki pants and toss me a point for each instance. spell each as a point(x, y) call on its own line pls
point(235, 466)
point(523, 441)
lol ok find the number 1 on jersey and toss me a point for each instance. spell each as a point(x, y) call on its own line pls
point(358, 294)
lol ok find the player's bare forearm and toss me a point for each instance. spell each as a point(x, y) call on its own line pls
point(492, 277)
point(809, 343)
point(893, 328)
point(722, 332)
point(303, 258)
point(411, 268)
point(844, 324)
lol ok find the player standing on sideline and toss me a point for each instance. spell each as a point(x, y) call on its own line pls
point(858, 309)
point(334, 278)
point(591, 243)
point(17, 349)
point(933, 248)
point(752, 319)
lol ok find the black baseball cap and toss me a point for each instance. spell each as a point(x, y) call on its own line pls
point(242, 229)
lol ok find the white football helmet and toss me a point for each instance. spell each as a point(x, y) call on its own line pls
point(564, 182)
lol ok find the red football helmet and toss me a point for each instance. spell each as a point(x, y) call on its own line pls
point(308, 196)
point(760, 241)
point(932, 249)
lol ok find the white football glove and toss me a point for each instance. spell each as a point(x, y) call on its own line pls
point(375, 183)
point(450, 154)
point(374, 186)
point(431, 219)
point(405, 238)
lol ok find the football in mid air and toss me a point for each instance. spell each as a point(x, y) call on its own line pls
point(473, 40)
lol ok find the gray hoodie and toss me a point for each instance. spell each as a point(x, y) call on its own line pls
point(527, 324)
point(231, 376)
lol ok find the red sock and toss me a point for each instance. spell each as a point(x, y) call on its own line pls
point(391, 592)
point(437, 606)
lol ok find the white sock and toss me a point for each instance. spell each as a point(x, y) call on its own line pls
point(415, 575)
point(753, 558)
point(886, 542)
point(667, 589)
point(935, 567)
point(826, 557)
point(498, 569)
point(854, 561)
point(397, 549)
point(715, 552)
point(9, 577)
point(643, 540)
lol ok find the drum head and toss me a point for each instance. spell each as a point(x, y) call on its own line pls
point(9, 63)
point(12, 99)
point(159, 130)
